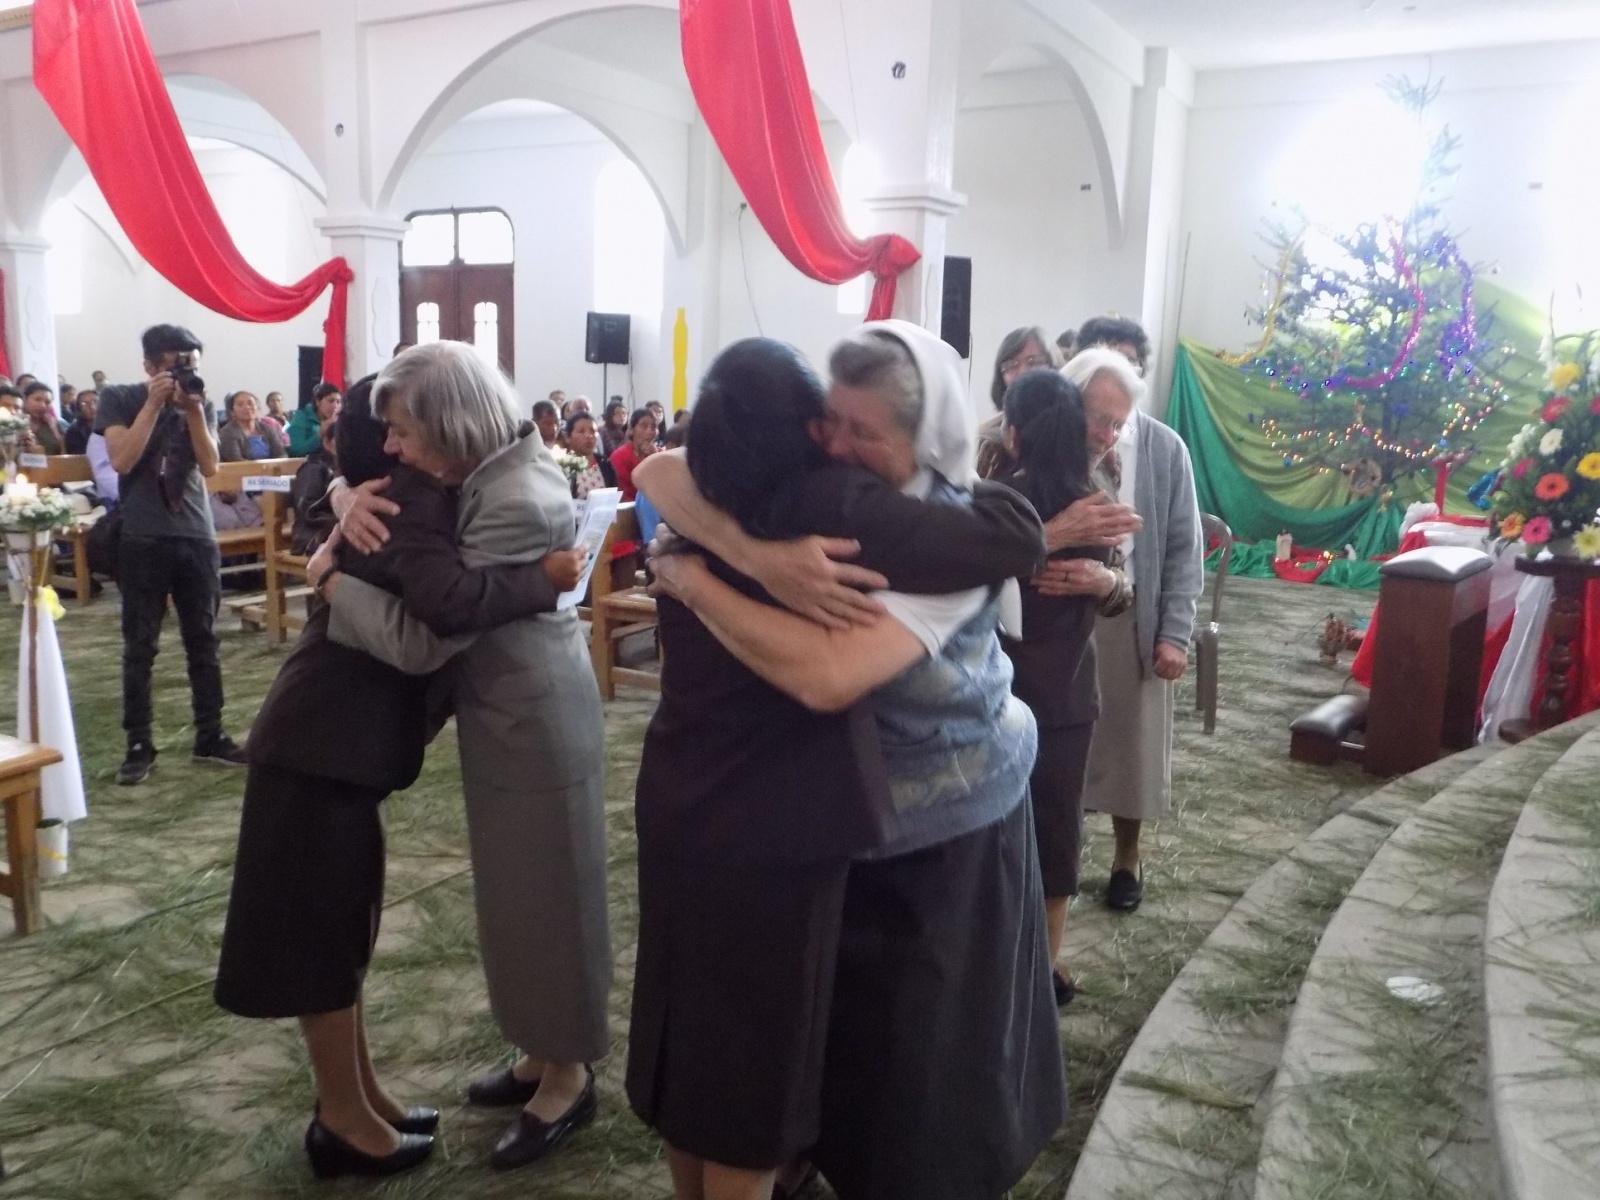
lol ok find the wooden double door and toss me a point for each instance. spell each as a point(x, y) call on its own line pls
point(461, 302)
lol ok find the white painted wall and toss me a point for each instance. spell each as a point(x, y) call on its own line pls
point(269, 215)
point(542, 171)
point(1519, 113)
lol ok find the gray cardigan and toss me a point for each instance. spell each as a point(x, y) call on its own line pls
point(232, 445)
point(1168, 553)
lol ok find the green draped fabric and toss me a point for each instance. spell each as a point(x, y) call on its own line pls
point(1243, 480)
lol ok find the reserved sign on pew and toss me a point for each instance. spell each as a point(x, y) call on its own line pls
point(267, 483)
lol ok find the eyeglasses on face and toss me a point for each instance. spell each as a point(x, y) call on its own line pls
point(1024, 362)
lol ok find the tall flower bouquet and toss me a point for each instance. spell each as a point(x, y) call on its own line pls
point(1548, 494)
point(14, 429)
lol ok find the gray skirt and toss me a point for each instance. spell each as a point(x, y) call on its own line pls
point(943, 1077)
point(1130, 763)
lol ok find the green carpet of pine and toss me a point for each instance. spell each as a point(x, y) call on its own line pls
point(119, 1079)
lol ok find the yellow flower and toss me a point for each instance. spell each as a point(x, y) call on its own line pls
point(1587, 542)
point(1511, 525)
point(1589, 465)
point(1564, 375)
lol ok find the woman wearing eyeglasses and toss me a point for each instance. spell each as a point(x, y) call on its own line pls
point(1021, 350)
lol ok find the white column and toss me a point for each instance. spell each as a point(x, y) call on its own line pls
point(919, 213)
point(30, 325)
point(370, 243)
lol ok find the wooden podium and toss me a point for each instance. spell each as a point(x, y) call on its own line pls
point(20, 764)
point(1435, 604)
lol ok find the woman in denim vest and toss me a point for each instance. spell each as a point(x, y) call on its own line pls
point(943, 1073)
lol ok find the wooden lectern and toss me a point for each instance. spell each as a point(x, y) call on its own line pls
point(1435, 604)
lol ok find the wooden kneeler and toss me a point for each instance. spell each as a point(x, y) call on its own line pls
point(20, 764)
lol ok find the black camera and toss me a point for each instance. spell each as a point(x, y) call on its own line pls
point(183, 374)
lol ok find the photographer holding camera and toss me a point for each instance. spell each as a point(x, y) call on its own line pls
point(162, 439)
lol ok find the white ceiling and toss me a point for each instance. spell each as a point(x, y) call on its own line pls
point(1214, 34)
point(641, 40)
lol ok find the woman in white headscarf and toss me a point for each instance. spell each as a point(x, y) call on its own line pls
point(943, 1073)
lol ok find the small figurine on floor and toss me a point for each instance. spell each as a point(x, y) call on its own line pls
point(1335, 637)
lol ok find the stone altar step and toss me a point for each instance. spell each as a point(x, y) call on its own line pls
point(1542, 988)
point(1192, 1081)
point(1381, 1088)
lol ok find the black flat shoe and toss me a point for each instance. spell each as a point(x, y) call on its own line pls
point(529, 1139)
point(500, 1089)
point(332, 1156)
point(419, 1118)
point(1065, 989)
point(1125, 890)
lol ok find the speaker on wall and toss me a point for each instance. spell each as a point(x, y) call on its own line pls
point(606, 340)
point(310, 372)
point(955, 323)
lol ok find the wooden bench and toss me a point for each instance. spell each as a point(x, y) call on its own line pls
point(70, 569)
point(618, 609)
point(283, 567)
point(20, 764)
point(230, 477)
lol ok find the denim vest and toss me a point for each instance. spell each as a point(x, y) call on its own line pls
point(958, 747)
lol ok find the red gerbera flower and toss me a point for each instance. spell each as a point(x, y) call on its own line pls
point(1537, 531)
point(1553, 410)
point(1594, 407)
point(1552, 487)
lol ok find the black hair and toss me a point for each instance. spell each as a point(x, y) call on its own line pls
point(544, 408)
point(571, 422)
point(612, 406)
point(677, 436)
point(38, 385)
point(637, 415)
point(359, 437)
point(751, 427)
point(1114, 331)
point(1045, 411)
point(159, 339)
point(324, 389)
point(8, 390)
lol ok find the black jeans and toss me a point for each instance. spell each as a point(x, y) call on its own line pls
point(188, 570)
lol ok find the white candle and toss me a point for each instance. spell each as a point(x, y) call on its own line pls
point(20, 490)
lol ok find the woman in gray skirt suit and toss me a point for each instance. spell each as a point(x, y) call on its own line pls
point(530, 726)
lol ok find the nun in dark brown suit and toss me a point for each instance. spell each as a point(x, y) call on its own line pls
point(750, 806)
point(337, 733)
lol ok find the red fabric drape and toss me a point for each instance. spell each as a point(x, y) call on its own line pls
point(5, 359)
point(749, 79)
point(93, 66)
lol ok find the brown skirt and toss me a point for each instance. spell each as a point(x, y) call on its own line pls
point(731, 1000)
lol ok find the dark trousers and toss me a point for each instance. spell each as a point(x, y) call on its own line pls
point(148, 571)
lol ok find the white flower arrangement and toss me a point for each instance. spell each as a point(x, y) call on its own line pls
point(1550, 443)
point(26, 506)
point(572, 465)
point(12, 425)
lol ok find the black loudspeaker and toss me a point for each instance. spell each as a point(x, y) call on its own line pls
point(310, 372)
point(607, 338)
point(955, 324)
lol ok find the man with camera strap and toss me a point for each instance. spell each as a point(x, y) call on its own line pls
point(162, 440)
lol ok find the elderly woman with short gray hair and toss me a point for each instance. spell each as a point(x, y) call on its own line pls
point(530, 728)
point(1143, 651)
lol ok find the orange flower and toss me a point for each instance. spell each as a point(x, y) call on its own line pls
point(1511, 525)
point(1552, 486)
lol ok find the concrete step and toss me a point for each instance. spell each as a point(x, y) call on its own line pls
point(1182, 1111)
point(1542, 987)
point(1381, 1087)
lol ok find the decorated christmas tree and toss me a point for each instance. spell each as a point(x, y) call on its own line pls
point(1386, 365)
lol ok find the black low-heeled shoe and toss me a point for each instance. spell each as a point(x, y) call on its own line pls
point(419, 1118)
point(500, 1089)
point(332, 1156)
point(530, 1138)
point(1065, 989)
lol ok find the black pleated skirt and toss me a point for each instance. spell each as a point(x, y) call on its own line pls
point(1056, 787)
point(730, 1005)
point(307, 893)
point(943, 1078)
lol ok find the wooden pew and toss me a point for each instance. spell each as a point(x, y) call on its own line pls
point(283, 568)
point(69, 570)
point(20, 764)
point(230, 477)
point(618, 609)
